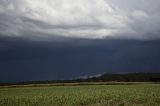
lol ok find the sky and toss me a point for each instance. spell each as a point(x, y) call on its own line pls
point(92, 19)
point(64, 39)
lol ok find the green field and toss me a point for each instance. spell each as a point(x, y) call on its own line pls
point(86, 95)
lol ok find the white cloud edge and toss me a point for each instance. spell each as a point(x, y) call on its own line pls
point(91, 19)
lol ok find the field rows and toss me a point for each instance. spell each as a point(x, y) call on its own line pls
point(88, 95)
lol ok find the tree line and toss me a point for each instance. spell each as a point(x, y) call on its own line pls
point(107, 77)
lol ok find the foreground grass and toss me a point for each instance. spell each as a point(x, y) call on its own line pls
point(90, 95)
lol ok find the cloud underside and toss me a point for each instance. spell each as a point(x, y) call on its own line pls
point(92, 19)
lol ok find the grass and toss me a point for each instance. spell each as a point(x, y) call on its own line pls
point(86, 95)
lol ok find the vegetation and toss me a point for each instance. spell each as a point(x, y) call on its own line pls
point(145, 94)
point(125, 77)
point(108, 77)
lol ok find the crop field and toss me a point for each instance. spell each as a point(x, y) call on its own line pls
point(82, 95)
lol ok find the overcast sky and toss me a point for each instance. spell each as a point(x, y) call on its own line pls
point(64, 39)
point(91, 19)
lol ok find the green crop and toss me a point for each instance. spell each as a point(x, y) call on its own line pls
point(86, 95)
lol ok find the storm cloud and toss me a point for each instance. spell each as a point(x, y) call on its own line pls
point(91, 19)
point(23, 60)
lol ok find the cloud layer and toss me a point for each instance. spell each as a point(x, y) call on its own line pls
point(93, 19)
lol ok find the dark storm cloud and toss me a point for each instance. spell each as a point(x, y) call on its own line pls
point(29, 60)
point(63, 39)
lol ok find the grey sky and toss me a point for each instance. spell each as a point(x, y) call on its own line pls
point(93, 19)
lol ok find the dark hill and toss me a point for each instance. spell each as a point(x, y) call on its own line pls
point(125, 77)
